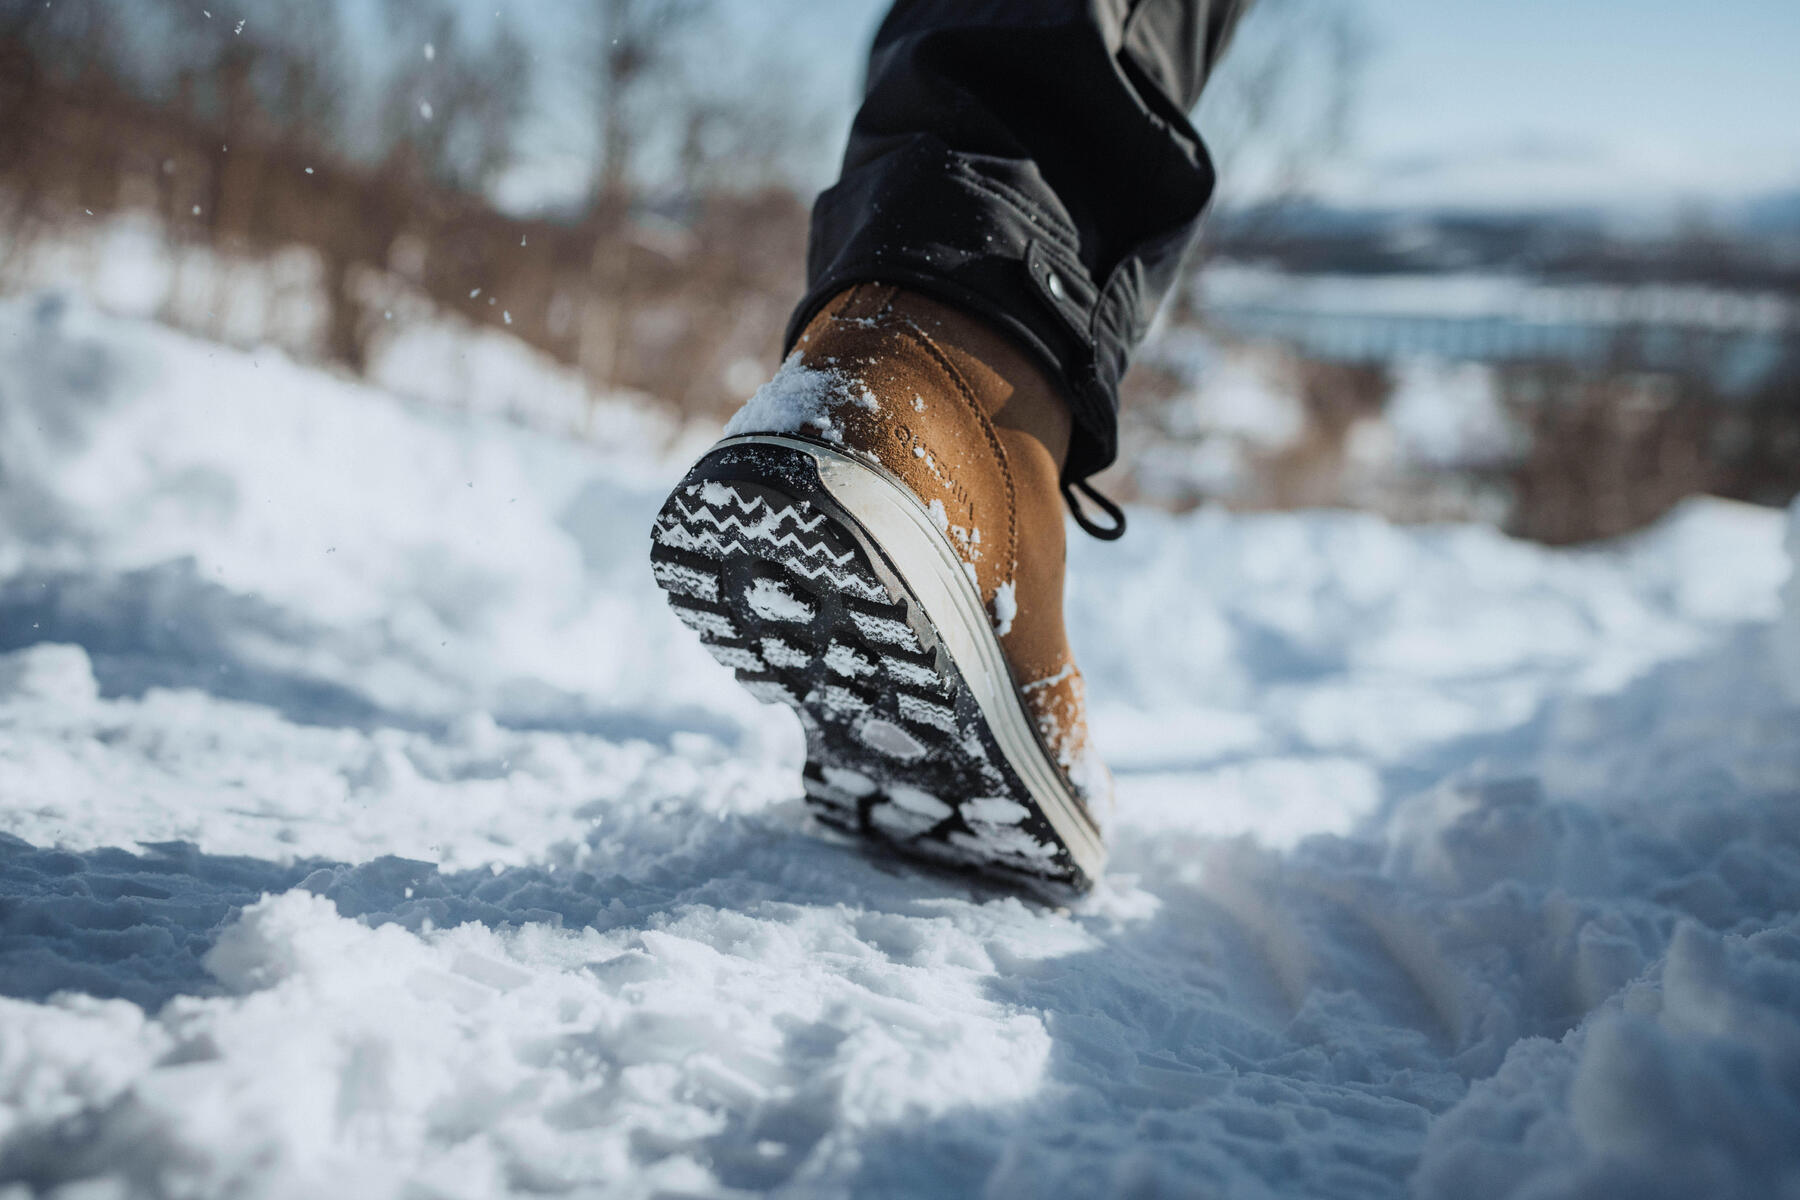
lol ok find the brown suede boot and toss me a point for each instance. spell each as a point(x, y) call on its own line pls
point(878, 543)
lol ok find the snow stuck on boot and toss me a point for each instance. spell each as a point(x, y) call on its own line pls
point(799, 399)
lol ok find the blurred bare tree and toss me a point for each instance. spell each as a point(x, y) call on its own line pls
point(637, 45)
point(251, 136)
point(449, 108)
point(1283, 101)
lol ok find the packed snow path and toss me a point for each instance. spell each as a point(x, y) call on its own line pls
point(369, 828)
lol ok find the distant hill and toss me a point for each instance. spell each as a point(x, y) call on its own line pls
point(1754, 247)
point(1775, 215)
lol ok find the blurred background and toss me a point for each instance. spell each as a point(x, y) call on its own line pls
point(1535, 264)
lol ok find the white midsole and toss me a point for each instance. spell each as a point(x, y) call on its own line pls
point(929, 565)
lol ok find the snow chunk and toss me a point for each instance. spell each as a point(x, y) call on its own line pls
point(938, 716)
point(1003, 841)
point(784, 654)
point(910, 672)
point(842, 702)
point(995, 810)
point(884, 629)
point(1006, 607)
point(771, 600)
point(923, 803)
point(890, 739)
point(900, 822)
point(844, 779)
point(799, 399)
point(686, 580)
point(279, 938)
point(702, 621)
point(48, 673)
point(846, 661)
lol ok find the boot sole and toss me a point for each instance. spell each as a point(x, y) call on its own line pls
point(824, 583)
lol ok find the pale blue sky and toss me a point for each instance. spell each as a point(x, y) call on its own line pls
point(1581, 98)
point(1635, 105)
point(1524, 101)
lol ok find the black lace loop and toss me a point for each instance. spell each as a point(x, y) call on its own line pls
point(1086, 522)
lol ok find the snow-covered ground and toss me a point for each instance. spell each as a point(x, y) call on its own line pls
point(368, 828)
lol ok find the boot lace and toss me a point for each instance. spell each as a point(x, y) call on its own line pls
point(1106, 533)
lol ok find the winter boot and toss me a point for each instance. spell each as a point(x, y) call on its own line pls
point(878, 543)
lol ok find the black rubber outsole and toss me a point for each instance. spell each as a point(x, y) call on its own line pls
point(788, 590)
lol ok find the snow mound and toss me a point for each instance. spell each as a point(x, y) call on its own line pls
point(368, 825)
point(1682, 1084)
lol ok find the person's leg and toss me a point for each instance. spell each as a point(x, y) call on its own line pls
point(1030, 162)
point(878, 543)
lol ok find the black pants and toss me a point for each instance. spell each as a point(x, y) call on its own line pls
point(1030, 161)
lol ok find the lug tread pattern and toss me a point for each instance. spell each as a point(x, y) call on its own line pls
point(783, 589)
